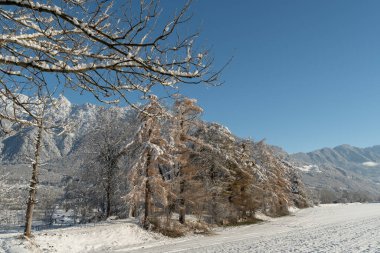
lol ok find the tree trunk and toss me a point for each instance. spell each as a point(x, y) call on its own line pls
point(109, 191)
point(108, 210)
point(33, 185)
point(132, 211)
point(147, 193)
point(182, 207)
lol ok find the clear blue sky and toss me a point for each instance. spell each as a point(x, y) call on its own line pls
point(305, 74)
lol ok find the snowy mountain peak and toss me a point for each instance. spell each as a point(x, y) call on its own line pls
point(79, 118)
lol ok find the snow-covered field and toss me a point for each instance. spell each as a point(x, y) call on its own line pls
point(102, 237)
point(328, 228)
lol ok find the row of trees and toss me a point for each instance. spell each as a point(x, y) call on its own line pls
point(113, 51)
point(326, 196)
point(172, 163)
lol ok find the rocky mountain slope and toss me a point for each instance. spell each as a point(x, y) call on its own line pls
point(336, 171)
point(364, 161)
point(16, 147)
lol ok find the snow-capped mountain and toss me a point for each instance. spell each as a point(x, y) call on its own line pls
point(17, 146)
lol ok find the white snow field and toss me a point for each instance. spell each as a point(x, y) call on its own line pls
point(327, 228)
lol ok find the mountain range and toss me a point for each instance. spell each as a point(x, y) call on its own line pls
point(337, 170)
point(341, 169)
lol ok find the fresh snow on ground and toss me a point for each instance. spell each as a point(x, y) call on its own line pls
point(326, 228)
point(100, 237)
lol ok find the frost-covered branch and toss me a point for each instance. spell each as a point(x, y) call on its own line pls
point(109, 49)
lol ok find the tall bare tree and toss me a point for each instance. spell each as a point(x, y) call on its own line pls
point(149, 155)
point(40, 112)
point(32, 199)
point(103, 149)
point(186, 117)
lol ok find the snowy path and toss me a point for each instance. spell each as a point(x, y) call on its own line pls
point(330, 228)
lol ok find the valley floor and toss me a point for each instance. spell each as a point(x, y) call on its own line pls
point(327, 228)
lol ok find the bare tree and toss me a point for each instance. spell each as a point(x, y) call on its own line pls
point(229, 174)
point(103, 150)
point(41, 110)
point(49, 201)
point(38, 110)
point(32, 199)
point(186, 116)
point(149, 153)
point(81, 196)
point(276, 187)
point(109, 49)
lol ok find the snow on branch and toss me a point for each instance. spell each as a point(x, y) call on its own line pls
point(109, 49)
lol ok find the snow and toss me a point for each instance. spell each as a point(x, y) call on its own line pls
point(370, 164)
point(327, 228)
point(99, 237)
point(309, 168)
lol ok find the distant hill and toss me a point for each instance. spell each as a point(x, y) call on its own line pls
point(341, 169)
point(362, 161)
